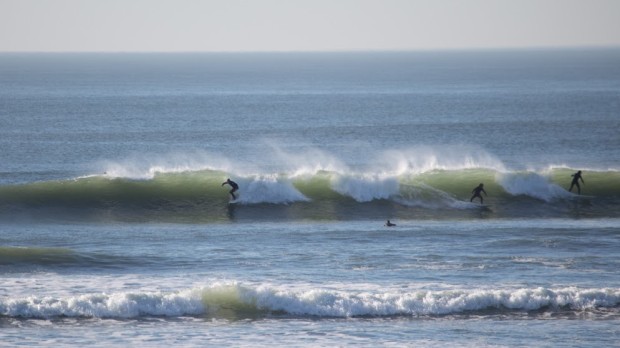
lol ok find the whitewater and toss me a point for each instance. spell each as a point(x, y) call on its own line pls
point(432, 183)
point(115, 229)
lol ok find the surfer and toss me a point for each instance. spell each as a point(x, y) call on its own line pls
point(389, 224)
point(575, 182)
point(476, 191)
point(234, 186)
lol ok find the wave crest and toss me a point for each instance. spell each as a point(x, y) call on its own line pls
point(238, 301)
point(199, 195)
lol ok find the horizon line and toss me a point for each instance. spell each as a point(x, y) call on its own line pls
point(420, 50)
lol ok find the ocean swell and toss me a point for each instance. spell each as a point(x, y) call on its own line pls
point(196, 196)
point(238, 301)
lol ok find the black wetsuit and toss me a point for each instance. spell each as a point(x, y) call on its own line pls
point(477, 192)
point(234, 186)
point(575, 182)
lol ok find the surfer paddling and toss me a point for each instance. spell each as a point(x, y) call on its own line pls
point(476, 193)
point(234, 186)
point(575, 182)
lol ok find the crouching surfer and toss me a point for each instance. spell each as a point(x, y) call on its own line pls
point(234, 187)
point(389, 224)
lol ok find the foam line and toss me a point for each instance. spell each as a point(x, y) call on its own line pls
point(310, 302)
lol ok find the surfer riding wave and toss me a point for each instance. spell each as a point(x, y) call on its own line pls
point(234, 186)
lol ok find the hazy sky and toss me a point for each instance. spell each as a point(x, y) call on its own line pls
point(304, 25)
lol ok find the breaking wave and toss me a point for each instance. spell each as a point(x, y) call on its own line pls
point(198, 195)
point(234, 301)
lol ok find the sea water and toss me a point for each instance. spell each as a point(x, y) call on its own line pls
point(115, 228)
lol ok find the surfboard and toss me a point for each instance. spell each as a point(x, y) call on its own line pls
point(582, 200)
point(482, 206)
point(583, 196)
point(476, 204)
point(233, 201)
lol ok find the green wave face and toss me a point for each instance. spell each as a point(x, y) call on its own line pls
point(199, 196)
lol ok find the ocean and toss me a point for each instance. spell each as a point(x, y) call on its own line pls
point(116, 230)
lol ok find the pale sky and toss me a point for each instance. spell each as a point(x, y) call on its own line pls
point(304, 25)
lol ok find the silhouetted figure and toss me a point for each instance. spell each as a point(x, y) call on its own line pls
point(575, 182)
point(477, 191)
point(389, 224)
point(234, 186)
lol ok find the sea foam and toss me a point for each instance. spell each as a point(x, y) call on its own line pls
point(253, 300)
point(531, 184)
point(269, 189)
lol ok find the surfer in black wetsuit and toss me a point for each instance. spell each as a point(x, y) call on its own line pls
point(389, 224)
point(476, 191)
point(575, 182)
point(234, 186)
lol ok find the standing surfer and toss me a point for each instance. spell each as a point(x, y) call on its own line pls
point(234, 186)
point(575, 182)
point(476, 191)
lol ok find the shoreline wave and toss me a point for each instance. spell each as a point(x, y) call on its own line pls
point(234, 301)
